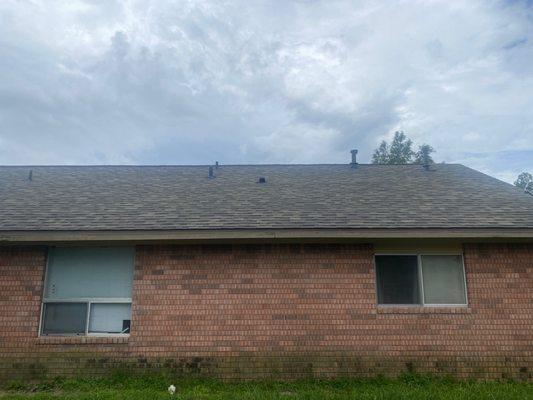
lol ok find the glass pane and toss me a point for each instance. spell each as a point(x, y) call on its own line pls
point(66, 318)
point(89, 272)
point(109, 318)
point(444, 281)
point(397, 279)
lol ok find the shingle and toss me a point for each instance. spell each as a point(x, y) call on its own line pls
point(294, 196)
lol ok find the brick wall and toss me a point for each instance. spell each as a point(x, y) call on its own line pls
point(280, 311)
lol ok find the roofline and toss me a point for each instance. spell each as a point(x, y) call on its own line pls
point(185, 236)
point(221, 165)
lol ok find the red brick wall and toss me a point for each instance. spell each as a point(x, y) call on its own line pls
point(282, 311)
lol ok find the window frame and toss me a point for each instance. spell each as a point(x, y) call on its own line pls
point(421, 280)
point(86, 300)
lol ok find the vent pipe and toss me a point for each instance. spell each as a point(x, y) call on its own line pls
point(30, 175)
point(211, 174)
point(354, 158)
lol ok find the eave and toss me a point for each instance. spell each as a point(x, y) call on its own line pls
point(266, 235)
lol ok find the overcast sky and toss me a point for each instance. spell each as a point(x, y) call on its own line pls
point(191, 82)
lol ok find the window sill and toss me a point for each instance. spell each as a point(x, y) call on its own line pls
point(83, 339)
point(383, 309)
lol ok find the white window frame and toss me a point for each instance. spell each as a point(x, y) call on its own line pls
point(88, 301)
point(421, 280)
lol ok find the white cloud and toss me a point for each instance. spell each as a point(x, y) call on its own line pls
point(285, 81)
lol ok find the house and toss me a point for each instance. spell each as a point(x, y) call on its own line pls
point(265, 271)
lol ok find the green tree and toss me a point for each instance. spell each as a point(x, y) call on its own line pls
point(381, 155)
point(400, 151)
point(524, 180)
point(423, 155)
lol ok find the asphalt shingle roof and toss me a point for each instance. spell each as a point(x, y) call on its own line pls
point(294, 196)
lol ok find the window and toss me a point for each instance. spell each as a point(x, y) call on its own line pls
point(420, 279)
point(88, 291)
point(397, 278)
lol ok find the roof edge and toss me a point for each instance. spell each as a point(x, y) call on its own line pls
point(206, 165)
point(29, 237)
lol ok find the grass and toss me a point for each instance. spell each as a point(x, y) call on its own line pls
point(122, 386)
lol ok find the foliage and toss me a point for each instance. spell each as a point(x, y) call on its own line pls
point(409, 386)
point(400, 151)
point(423, 155)
point(523, 180)
point(381, 154)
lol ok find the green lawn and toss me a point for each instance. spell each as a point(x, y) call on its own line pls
point(155, 387)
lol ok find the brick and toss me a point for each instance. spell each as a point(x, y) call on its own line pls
point(279, 311)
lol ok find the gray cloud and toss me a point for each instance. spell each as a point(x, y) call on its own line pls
point(287, 81)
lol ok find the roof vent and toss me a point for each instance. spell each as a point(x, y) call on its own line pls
point(211, 174)
point(354, 158)
point(216, 164)
point(262, 179)
point(30, 175)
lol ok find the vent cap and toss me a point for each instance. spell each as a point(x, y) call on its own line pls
point(354, 158)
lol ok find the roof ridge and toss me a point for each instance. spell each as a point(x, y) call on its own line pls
point(208, 165)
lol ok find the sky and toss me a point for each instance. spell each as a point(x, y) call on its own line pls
point(278, 81)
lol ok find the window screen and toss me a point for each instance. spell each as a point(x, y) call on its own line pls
point(397, 279)
point(444, 281)
point(88, 290)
